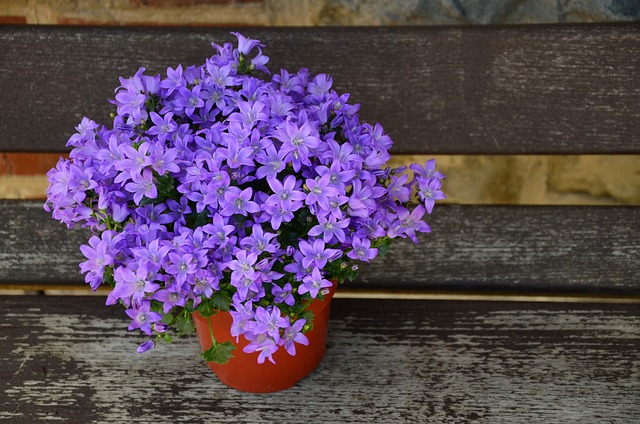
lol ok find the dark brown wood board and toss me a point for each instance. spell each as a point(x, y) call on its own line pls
point(512, 89)
point(71, 360)
point(472, 248)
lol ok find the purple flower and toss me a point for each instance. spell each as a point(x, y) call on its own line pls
point(220, 75)
point(133, 162)
point(278, 214)
point(219, 229)
point(131, 104)
point(245, 286)
point(429, 191)
point(320, 86)
point(146, 346)
point(337, 177)
point(131, 285)
point(342, 154)
point(154, 213)
point(85, 131)
point(292, 335)
point(164, 160)
point(99, 255)
point(362, 249)
point(143, 317)
point(283, 294)
point(239, 202)
point(217, 178)
point(259, 241)
point(285, 194)
point(320, 191)
point(273, 161)
point(189, 100)
point(235, 155)
point(242, 319)
point(249, 114)
point(313, 283)
point(317, 254)
point(409, 223)
point(428, 171)
point(362, 200)
point(335, 204)
point(171, 296)
point(297, 268)
point(330, 228)
point(296, 142)
point(142, 186)
point(260, 343)
point(398, 189)
point(205, 283)
point(243, 266)
point(182, 267)
point(163, 127)
point(245, 45)
point(173, 81)
point(270, 322)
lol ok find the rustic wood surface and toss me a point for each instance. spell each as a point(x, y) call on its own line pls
point(71, 360)
point(482, 248)
point(520, 89)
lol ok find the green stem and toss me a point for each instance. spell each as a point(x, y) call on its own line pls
point(213, 339)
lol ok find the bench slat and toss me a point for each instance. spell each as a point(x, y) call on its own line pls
point(392, 361)
point(473, 248)
point(522, 89)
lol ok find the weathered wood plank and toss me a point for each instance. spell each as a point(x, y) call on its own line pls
point(472, 248)
point(71, 360)
point(521, 89)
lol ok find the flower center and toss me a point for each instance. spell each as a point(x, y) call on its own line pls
point(275, 164)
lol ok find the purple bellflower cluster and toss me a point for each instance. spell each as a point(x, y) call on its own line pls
point(221, 187)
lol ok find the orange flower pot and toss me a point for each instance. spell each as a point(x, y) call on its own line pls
point(244, 373)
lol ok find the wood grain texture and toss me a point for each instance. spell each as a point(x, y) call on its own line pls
point(72, 360)
point(473, 248)
point(521, 89)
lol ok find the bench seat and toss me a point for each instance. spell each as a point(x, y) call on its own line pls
point(548, 89)
point(71, 358)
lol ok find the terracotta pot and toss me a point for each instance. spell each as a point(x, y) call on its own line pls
point(244, 373)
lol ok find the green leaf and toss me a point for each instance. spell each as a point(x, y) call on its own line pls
point(219, 353)
point(167, 319)
point(308, 315)
point(221, 301)
point(195, 220)
point(206, 309)
point(184, 324)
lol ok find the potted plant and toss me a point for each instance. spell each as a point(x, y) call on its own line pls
point(237, 199)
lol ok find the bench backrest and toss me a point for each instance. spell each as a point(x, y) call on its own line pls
point(570, 89)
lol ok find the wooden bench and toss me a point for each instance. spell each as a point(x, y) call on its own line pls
point(503, 314)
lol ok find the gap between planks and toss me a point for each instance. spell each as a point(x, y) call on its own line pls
point(373, 294)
